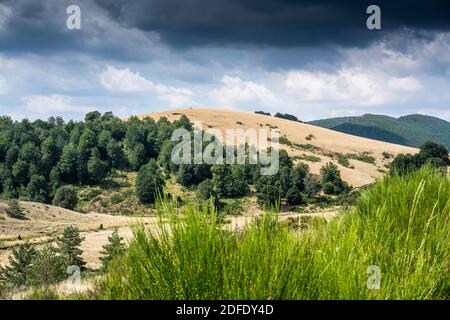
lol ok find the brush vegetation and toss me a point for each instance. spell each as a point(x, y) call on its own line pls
point(400, 224)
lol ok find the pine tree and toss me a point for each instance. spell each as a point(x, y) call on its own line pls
point(14, 210)
point(18, 273)
point(115, 247)
point(48, 268)
point(69, 247)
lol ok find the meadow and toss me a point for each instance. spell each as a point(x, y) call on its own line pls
point(400, 226)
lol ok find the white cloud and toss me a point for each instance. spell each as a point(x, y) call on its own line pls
point(408, 84)
point(54, 103)
point(346, 85)
point(233, 91)
point(5, 14)
point(126, 81)
point(3, 86)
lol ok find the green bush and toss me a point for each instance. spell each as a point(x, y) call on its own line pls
point(66, 197)
point(14, 210)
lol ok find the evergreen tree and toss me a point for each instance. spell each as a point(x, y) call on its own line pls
point(68, 164)
point(37, 189)
point(66, 197)
point(69, 247)
point(313, 184)
point(96, 167)
point(14, 210)
point(149, 183)
point(48, 267)
point(115, 247)
point(18, 273)
point(332, 182)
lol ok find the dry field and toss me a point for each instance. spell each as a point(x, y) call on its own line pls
point(45, 222)
point(325, 141)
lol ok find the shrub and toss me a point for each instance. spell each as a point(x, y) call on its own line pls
point(343, 160)
point(204, 189)
point(66, 197)
point(14, 210)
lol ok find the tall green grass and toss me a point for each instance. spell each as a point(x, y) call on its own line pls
point(400, 224)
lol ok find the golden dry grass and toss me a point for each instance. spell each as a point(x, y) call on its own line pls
point(44, 222)
point(325, 140)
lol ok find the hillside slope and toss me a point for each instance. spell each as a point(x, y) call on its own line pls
point(306, 142)
point(412, 130)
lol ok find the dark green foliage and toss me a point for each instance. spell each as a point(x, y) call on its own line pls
point(96, 167)
point(313, 184)
point(114, 248)
point(149, 183)
point(19, 270)
point(37, 189)
point(431, 153)
point(14, 210)
point(403, 164)
point(37, 158)
point(229, 180)
point(332, 182)
point(66, 197)
point(192, 174)
point(269, 190)
point(286, 116)
point(69, 247)
point(412, 130)
point(430, 150)
point(263, 113)
point(204, 189)
point(294, 197)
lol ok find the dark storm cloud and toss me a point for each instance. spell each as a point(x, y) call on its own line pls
point(39, 26)
point(274, 23)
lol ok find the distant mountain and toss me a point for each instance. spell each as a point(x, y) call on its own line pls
point(412, 130)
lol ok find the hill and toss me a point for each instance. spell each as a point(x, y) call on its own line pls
point(412, 130)
point(367, 159)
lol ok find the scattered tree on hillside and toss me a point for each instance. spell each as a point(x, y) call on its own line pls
point(286, 116)
point(19, 270)
point(14, 210)
point(69, 247)
point(66, 197)
point(332, 182)
point(115, 247)
point(48, 267)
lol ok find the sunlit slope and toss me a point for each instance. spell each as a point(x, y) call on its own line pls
point(305, 140)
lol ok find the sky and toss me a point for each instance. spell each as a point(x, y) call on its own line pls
point(314, 59)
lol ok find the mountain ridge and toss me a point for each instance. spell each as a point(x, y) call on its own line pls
point(410, 130)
